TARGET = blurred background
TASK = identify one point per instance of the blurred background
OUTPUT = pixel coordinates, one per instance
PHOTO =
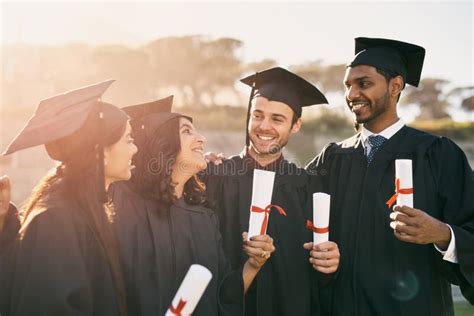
(197, 51)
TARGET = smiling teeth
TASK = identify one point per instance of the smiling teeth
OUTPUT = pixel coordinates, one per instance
(358, 106)
(265, 137)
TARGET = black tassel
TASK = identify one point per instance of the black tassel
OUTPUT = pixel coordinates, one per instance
(247, 137)
(100, 156)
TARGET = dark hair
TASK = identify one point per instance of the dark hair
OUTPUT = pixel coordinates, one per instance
(388, 76)
(153, 162)
(294, 118)
(82, 170)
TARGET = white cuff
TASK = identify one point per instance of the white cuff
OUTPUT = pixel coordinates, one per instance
(450, 254)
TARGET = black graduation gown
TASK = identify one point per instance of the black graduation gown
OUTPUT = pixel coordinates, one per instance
(61, 269)
(158, 247)
(380, 275)
(8, 248)
(283, 285)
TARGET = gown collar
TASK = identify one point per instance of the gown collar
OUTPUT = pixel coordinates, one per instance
(253, 164)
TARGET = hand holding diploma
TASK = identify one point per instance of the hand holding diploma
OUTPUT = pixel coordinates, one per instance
(415, 226)
(324, 257)
(410, 224)
(324, 254)
(258, 248)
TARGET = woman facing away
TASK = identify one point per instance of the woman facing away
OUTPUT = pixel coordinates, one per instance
(164, 222)
(66, 257)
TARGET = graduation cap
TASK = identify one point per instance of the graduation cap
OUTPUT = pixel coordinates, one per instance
(394, 57)
(147, 118)
(139, 111)
(61, 116)
(68, 123)
(166, 117)
(279, 84)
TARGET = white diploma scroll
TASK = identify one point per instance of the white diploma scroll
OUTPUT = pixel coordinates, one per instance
(321, 206)
(403, 188)
(262, 191)
(403, 172)
(190, 291)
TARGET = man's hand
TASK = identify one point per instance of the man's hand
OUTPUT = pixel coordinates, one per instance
(324, 256)
(5, 198)
(214, 158)
(258, 249)
(417, 227)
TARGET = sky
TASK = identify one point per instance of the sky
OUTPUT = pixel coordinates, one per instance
(287, 31)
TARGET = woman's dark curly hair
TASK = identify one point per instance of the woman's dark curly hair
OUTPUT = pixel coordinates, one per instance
(153, 167)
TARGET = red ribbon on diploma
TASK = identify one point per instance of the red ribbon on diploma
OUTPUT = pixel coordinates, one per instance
(177, 311)
(398, 191)
(266, 210)
(317, 230)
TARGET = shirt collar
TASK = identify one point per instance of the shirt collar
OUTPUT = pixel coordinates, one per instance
(387, 133)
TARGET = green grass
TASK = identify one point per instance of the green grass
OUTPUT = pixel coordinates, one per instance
(463, 309)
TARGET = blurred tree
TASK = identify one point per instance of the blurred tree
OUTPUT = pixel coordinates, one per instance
(199, 70)
(220, 67)
(197, 66)
(253, 67)
(466, 97)
(126, 65)
(333, 77)
(328, 78)
(429, 97)
(468, 103)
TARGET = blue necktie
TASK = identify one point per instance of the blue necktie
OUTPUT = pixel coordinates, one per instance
(375, 141)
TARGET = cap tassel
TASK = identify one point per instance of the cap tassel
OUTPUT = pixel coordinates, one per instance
(252, 92)
(100, 158)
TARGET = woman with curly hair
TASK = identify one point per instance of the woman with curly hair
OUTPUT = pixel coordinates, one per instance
(164, 222)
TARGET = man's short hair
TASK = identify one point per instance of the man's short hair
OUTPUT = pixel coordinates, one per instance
(389, 76)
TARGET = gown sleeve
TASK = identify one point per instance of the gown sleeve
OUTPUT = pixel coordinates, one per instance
(231, 283)
(455, 186)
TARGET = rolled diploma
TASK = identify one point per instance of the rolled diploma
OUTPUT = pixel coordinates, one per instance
(403, 171)
(262, 191)
(191, 289)
(321, 206)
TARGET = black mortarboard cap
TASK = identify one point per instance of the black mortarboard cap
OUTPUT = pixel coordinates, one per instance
(279, 84)
(394, 57)
(71, 123)
(147, 118)
(140, 111)
(166, 117)
(62, 115)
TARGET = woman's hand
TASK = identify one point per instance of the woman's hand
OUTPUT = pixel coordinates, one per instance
(259, 249)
